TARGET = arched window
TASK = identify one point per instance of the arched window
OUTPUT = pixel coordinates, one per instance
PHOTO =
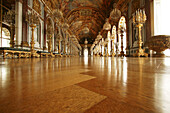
(114, 36)
(85, 52)
(5, 37)
(122, 23)
(109, 42)
(161, 17)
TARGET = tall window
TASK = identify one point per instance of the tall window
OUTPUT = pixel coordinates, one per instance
(122, 23)
(109, 43)
(161, 17)
(5, 37)
(114, 36)
(85, 52)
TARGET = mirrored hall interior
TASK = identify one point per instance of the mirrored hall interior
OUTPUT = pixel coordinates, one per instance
(84, 56)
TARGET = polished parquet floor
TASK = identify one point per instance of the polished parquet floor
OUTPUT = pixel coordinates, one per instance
(85, 85)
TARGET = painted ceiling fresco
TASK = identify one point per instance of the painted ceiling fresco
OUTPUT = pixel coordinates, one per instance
(90, 13)
(68, 5)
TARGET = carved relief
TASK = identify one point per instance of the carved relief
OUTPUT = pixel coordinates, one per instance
(49, 5)
(37, 6)
(159, 43)
(85, 12)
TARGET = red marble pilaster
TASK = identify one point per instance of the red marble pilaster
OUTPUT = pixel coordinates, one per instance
(24, 24)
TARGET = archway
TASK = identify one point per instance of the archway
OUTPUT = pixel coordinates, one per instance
(122, 26)
(114, 37)
(85, 52)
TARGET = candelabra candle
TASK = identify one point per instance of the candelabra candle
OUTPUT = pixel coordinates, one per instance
(139, 19)
(107, 25)
(33, 20)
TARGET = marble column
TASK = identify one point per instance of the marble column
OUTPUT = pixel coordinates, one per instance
(45, 32)
(18, 22)
(24, 25)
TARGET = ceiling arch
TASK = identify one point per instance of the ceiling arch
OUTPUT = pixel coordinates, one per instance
(85, 16)
(85, 13)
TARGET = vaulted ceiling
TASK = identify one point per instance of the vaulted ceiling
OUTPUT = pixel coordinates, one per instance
(88, 13)
(83, 14)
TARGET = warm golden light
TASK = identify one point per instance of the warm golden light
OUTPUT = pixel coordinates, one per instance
(161, 17)
(167, 52)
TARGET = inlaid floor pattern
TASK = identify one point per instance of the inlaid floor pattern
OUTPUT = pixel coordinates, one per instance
(85, 85)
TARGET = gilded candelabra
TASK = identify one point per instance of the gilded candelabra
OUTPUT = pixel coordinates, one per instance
(9, 17)
(99, 37)
(122, 29)
(33, 20)
(139, 19)
(106, 43)
(113, 49)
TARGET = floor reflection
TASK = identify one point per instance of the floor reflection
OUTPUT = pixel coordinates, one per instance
(138, 82)
(86, 60)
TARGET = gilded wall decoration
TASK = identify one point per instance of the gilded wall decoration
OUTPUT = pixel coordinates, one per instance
(37, 6)
(85, 12)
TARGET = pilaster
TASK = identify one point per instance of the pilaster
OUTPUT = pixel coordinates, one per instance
(18, 22)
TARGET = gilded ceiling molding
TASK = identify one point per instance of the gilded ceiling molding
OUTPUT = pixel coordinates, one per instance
(47, 5)
(36, 6)
(91, 8)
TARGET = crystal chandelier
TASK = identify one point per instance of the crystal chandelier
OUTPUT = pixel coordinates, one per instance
(86, 29)
(115, 13)
(99, 36)
(9, 16)
(107, 25)
(85, 42)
